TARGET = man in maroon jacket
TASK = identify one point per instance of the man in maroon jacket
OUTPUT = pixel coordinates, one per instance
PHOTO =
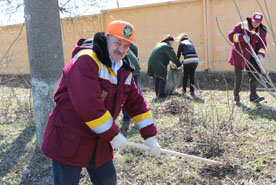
(94, 87)
(252, 32)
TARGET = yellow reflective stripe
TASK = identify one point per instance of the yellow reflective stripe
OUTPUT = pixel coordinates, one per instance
(112, 73)
(141, 117)
(99, 121)
(143, 120)
(102, 128)
(128, 80)
(95, 58)
(104, 71)
(85, 52)
(262, 50)
(90, 53)
(236, 37)
(109, 70)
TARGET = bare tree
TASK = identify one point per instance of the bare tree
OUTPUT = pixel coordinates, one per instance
(45, 44)
(45, 56)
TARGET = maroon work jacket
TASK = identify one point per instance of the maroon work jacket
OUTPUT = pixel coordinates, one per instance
(240, 46)
(85, 96)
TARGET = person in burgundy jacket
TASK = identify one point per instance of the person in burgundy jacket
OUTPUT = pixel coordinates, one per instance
(252, 32)
(94, 87)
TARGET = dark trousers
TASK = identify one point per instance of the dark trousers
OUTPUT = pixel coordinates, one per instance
(136, 80)
(160, 88)
(252, 81)
(70, 175)
(189, 73)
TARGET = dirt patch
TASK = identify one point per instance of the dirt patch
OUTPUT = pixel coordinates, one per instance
(174, 105)
(219, 171)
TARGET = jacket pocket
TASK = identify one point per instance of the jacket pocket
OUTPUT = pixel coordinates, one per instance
(67, 144)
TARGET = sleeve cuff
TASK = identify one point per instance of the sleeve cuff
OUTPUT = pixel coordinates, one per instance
(148, 131)
(110, 133)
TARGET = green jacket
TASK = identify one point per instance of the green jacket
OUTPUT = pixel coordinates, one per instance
(159, 59)
(133, 59)
(134, 49)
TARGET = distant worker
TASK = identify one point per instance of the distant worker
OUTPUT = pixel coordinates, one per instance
(252, 32)
(190, 62)
(159, 59)
(132, 55)
(94, 87)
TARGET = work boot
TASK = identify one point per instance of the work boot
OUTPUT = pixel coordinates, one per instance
(256, 98)
(183, 92)
(237, 99)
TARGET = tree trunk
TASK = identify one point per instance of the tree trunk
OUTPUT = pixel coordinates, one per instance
(45, 56)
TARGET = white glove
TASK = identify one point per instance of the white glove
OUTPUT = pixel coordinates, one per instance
(261, 58)
(172, 65)
(118, 141)
(152, 143)
(246, 38)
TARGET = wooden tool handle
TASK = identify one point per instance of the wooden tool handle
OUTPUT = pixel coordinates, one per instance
(192, 157)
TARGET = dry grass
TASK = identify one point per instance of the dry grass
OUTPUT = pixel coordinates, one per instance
(209, 126)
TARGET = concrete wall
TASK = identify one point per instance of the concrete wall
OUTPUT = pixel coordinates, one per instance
(197, 18)
(13, 50)
(152, 23)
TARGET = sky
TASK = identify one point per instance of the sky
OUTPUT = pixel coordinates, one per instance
(13, 12)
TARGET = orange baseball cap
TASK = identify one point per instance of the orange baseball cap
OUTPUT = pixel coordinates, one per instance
(121, 29)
